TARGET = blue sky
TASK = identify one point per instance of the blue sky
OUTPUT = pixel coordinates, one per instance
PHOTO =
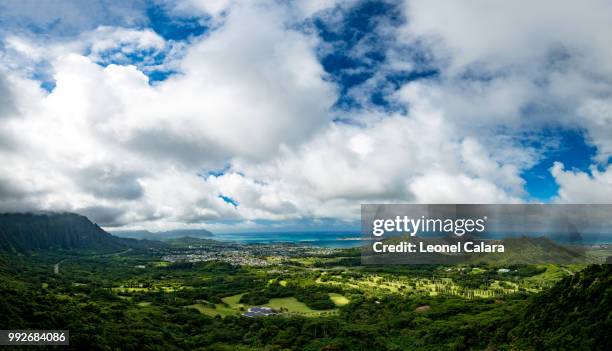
(240, 116)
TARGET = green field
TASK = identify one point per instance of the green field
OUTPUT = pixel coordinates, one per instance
(230, 306)
(321, 306)
(290, 305)
(233, 301)
(124, 289)
(339, 300)
(219, 310)
(293, 306)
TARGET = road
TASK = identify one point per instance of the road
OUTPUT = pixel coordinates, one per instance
(56, 266)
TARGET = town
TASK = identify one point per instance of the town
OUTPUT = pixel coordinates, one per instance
(255, 255)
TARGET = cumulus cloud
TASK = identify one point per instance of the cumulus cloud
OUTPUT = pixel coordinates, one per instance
(414, 158)
(213, 8)
(106, 138)
(550, 60)
(7, 107)
(252, 98)
(499, 34)
(581, 187)
(216, 9)
(69, 17)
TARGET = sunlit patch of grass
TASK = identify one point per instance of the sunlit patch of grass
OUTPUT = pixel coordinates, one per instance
(339, 300)
(124, 289)
(293, 306)
(160, 264)
(233, 301)
(219, 310)
(477, 270)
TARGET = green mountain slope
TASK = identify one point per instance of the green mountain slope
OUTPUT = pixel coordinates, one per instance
(575, 314)
(532, 250)
(519, 250)
(25, 232)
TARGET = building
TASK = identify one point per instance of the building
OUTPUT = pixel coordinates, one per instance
(255, 312)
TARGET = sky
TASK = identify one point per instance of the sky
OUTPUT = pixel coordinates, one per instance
(246, 116)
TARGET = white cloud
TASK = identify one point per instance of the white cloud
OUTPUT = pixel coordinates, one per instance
(415, 158)
(308, 8)
(69, 17)
(213, 8)
(437, 187)
(107, 143)
(127, 40)
(253, 95)
(508, 68)
(502, 34)
(271, 83)
(579, 187)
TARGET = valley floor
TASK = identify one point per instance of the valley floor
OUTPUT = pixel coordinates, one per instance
(322, 300)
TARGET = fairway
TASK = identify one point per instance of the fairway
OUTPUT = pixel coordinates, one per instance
(233, 301)
(232, 306)
(124, 289)
(220, 310)
(339, 300)
(292, 305)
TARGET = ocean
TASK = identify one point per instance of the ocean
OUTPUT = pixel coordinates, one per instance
(318, 239)
(333, 239)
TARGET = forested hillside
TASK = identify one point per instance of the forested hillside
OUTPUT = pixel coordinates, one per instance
(26, 232)
(112, 295)
(575, 314)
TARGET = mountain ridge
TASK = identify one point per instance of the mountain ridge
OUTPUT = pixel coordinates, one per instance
(27, 232)
(573, 313)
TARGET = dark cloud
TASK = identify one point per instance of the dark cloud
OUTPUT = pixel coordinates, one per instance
(9, 190)
(7, 109)
(165, 145)
(109, 183)
(14, 197)
(7, 106)
(103, 215)
(7, 140)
